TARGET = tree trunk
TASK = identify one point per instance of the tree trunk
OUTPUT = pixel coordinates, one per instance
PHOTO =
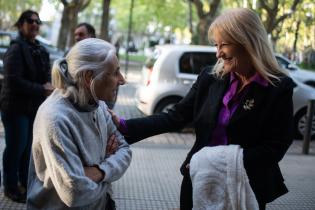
(63, 32)
(205, 19)
(69, 21)
(190, 17)
(273, 20)
(203, 31)
(296, 36)
(105, 20)
(73, 18)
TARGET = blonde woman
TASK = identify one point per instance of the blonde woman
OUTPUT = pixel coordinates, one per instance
(245, 100)
(70, 163)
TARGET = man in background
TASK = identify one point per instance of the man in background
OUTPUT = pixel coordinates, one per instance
(83, 31)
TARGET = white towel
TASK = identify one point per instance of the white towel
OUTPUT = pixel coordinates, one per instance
(220, 181)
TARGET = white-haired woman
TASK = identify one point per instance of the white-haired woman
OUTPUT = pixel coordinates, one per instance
(245, 100)
(70, 165)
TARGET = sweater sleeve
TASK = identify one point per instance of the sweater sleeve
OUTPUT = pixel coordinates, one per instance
(116, 164)
(65, 167)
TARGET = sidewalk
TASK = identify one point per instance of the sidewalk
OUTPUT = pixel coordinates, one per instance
(153, 179)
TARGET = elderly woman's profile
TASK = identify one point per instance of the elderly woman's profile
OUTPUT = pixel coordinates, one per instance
(70, 163)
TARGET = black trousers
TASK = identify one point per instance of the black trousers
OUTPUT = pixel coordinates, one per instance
(186, 202)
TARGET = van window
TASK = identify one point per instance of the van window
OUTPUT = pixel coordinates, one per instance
(194, 62)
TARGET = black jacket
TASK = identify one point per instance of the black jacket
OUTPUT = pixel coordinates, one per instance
(265, 131)
(26, 69)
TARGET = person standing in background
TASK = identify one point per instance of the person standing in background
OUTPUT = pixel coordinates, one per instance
(26, 84)
(83, 31)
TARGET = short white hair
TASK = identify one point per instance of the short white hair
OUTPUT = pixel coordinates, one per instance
(87, 55)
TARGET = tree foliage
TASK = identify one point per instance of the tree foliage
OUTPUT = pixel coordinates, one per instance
(274, 13)
(12, 9)
(153, 17)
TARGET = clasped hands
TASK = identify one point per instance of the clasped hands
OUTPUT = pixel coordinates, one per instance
(93, 172)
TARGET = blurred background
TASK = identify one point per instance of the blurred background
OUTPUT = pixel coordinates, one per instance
(137, 26)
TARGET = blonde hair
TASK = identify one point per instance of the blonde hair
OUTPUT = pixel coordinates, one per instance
(68, 73)
(243, 27)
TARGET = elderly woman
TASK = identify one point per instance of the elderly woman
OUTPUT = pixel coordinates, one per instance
(246, 99)
(70, 165)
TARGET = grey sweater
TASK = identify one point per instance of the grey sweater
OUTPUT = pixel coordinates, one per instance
(64, 141)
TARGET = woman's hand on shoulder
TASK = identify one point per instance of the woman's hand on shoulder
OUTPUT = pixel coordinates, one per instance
(112, 145)
(48, 88)
(115, 118)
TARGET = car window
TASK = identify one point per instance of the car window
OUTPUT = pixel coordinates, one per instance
(284, 64)
(194, 62)
(5, 40)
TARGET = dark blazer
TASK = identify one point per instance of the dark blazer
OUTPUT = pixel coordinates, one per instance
(264, 131)
(26, 69)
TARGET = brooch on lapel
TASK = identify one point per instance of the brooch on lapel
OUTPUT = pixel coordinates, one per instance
(249, 104)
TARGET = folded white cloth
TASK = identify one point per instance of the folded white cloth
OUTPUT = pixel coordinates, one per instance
(220, 181)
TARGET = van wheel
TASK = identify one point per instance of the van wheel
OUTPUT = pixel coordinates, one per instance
(166, 104)
(300, 124)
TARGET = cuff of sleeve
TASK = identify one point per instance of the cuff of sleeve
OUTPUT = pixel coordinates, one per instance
(123, 126)
(106, 170)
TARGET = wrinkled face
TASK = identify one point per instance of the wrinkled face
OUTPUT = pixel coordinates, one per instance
(30, 27)
(81, 33)
(234, 56)
(106, 86)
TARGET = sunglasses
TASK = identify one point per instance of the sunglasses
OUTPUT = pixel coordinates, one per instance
(31, 21)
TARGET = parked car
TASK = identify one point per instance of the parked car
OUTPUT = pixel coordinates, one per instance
(304, 76)
(170, 71)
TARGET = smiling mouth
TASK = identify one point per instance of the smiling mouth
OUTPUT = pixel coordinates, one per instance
(228, 58)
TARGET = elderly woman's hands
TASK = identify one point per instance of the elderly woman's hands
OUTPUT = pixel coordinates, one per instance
(94, 173)
(48, 88)
(112, 145)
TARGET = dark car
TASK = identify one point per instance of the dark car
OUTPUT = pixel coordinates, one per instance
(7, 36)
